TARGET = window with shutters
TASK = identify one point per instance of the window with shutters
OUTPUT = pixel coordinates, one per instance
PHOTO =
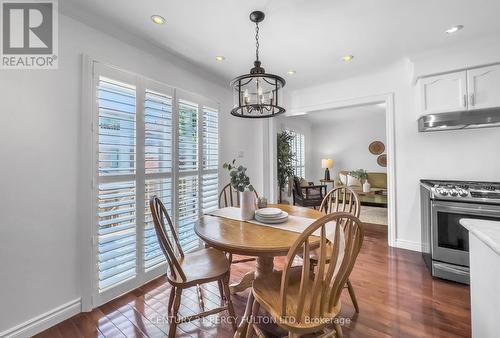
(210, 178)
(298, 148)
(150, 139)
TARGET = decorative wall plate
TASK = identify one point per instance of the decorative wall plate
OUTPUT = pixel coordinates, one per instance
(382, 160)
(376, 147)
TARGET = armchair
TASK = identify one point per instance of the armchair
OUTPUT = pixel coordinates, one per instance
(307, 196)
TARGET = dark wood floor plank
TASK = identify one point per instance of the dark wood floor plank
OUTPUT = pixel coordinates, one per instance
(52, 332)
(396, 294)
(141, 322)
(121, 322)
(86, 326)
(104, 325)
(159, 306)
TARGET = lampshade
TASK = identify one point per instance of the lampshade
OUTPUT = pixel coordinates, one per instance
(326, 163)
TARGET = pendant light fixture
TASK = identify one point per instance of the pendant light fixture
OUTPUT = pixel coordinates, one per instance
(257, 94)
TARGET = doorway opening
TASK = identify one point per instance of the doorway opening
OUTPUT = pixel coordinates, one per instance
(345, 137)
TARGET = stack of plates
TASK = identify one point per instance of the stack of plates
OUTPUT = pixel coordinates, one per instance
(271, 215)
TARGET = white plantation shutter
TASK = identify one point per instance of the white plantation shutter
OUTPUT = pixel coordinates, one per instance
(210, 138)
(210, 192)
(116, 198)
(188, 212)
(158, 133)
(158, 157)
(188, 136)
(188, 198)
(153, 254)
(117, 233)
(210, 144)
(147, 141)
(298, 148)
(116, 102)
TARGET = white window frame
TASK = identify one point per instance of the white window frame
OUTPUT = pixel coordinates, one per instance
(92, 69)
(297, 163)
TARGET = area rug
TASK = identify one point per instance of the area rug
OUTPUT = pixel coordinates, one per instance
(374, 215)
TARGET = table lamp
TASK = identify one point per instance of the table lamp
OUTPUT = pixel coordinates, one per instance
(326, 164)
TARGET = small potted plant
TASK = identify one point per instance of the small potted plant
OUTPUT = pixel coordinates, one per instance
(362, 176)
(241, 183)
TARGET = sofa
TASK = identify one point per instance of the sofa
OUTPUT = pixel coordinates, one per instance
(378, 185)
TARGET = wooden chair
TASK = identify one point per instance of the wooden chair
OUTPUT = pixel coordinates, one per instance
(298, 300)
(341, 199)
(309, 196)
(229, 197)
(188, 270)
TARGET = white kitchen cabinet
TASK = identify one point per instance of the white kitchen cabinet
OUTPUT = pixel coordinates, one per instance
(443, 93)
(483, 86)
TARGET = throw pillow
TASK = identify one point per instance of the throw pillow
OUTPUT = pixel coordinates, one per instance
(353, 182)
(343, 179)
(349, 181)
(304, 183)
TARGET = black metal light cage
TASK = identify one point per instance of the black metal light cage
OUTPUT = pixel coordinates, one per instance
(256, 95)
(247, 102)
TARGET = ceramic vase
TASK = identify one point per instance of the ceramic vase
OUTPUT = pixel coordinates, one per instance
(366, 186)
(247, 205)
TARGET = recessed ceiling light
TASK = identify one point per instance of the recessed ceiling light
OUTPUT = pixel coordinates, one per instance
(220, 58)
(291, 72)
(454, 29)
(158, 19)
(348, 58)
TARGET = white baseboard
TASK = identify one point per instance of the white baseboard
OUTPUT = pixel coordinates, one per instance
(408, 245)
(43, 321)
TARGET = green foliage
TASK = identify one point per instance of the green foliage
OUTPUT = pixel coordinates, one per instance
(360, 174)
(239, 179)
(285, 158)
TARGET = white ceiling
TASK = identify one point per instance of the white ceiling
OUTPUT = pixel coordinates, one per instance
(308, 36)
(329, 116)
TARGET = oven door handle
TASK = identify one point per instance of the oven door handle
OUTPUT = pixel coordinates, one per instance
(468, 210)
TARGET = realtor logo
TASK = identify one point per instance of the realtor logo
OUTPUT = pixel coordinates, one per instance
(29, 34)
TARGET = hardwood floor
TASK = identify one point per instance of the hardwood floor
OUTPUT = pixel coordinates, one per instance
(396, 295)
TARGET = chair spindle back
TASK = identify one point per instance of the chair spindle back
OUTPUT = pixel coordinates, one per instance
(159, 214)
(230, 197)
(320, 295)
(341, 199)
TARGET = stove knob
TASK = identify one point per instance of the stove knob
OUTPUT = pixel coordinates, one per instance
(453, 192)
(443, 192)
(463, 193)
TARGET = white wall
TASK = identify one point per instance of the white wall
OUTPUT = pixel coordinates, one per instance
(346, 141)
(39, 147)
(462, 155)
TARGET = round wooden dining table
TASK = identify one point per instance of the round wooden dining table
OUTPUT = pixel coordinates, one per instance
(249, 239)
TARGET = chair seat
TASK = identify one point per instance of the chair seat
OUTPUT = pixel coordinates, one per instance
(202, 266)
(314, 254)
(314, 193)
(267, 292)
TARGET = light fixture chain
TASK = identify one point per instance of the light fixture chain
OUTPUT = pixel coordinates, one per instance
(257, 41)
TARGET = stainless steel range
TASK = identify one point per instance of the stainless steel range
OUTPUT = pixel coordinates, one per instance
(445, 243)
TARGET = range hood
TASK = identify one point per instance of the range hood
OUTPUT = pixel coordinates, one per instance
(469, 119)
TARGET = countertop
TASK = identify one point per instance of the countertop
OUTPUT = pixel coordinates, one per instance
(487, 231)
